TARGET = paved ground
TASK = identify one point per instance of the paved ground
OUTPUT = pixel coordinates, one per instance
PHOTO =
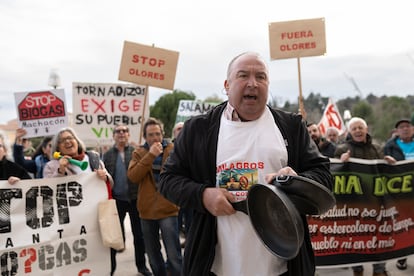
(391, 268)
(126, 264)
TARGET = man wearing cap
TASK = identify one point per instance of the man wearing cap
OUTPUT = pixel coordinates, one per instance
(401, 147)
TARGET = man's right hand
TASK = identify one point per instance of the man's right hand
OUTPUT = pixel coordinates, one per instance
(217, 201)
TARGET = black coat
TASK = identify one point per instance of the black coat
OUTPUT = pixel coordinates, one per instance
(393, 149)
(9, 168)
(192, 167)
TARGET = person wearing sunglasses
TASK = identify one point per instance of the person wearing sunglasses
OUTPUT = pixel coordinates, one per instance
(116, 160)
(68, 144)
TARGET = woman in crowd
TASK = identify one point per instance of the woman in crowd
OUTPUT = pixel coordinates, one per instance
(39, 158)
(9, 170)
(69, 146)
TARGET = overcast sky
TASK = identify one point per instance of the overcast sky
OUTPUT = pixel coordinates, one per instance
(368, 41)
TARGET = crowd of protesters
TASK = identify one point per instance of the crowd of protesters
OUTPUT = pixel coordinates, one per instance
(126, 165)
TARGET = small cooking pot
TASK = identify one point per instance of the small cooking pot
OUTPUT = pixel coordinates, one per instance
(273, 210)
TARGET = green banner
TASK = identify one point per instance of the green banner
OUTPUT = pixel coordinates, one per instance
(373, 217)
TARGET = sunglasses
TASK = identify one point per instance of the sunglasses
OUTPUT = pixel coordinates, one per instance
(121, 131)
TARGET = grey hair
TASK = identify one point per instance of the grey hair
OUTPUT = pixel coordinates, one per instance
(55, 141)
(333, 129)
(357, 120)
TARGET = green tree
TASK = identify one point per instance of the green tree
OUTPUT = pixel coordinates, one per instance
(380, 113)
(214, 99)
(165, 109)
(387, 111)
(362, 109)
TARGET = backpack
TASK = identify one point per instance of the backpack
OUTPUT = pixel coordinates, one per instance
(94, 160)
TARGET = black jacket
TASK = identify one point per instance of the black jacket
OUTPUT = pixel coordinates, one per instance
(109, 159)
(9, 168)
(367, 150)
(192, 167)
(18, 156)
(391, 148)
(327, 148)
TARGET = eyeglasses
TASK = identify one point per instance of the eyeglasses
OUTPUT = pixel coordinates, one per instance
(121, 130)
(66, 139)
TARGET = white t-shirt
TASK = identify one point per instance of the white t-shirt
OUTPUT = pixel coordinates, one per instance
(246, 152)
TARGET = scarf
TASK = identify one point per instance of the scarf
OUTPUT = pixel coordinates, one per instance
(79, 156)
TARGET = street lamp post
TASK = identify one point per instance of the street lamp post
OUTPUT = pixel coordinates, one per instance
(54, 79)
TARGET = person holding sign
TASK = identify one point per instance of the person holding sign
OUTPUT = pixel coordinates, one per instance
(39, 158)
(9, 170)
(241, 137)
(359, 144)
(401, 147)
(69, 156)
(157, 213)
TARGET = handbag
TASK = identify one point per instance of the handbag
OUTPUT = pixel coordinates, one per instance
(111, 231)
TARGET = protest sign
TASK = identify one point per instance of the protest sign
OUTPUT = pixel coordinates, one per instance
(41, 113)
(373, 219)
(149, 66)
(50, 226)
(98, 107)
(297, 38)
(189, 108)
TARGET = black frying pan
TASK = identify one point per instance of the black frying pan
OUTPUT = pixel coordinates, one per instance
(308, 196)
(274, 211)
(274, 219)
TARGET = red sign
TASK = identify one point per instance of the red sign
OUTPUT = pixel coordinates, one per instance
(40, 105)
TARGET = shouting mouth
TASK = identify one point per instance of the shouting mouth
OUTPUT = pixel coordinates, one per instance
(250, 97)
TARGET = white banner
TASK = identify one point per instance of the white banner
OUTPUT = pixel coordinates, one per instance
(50, 227)
(98, 107)
(189, 108)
